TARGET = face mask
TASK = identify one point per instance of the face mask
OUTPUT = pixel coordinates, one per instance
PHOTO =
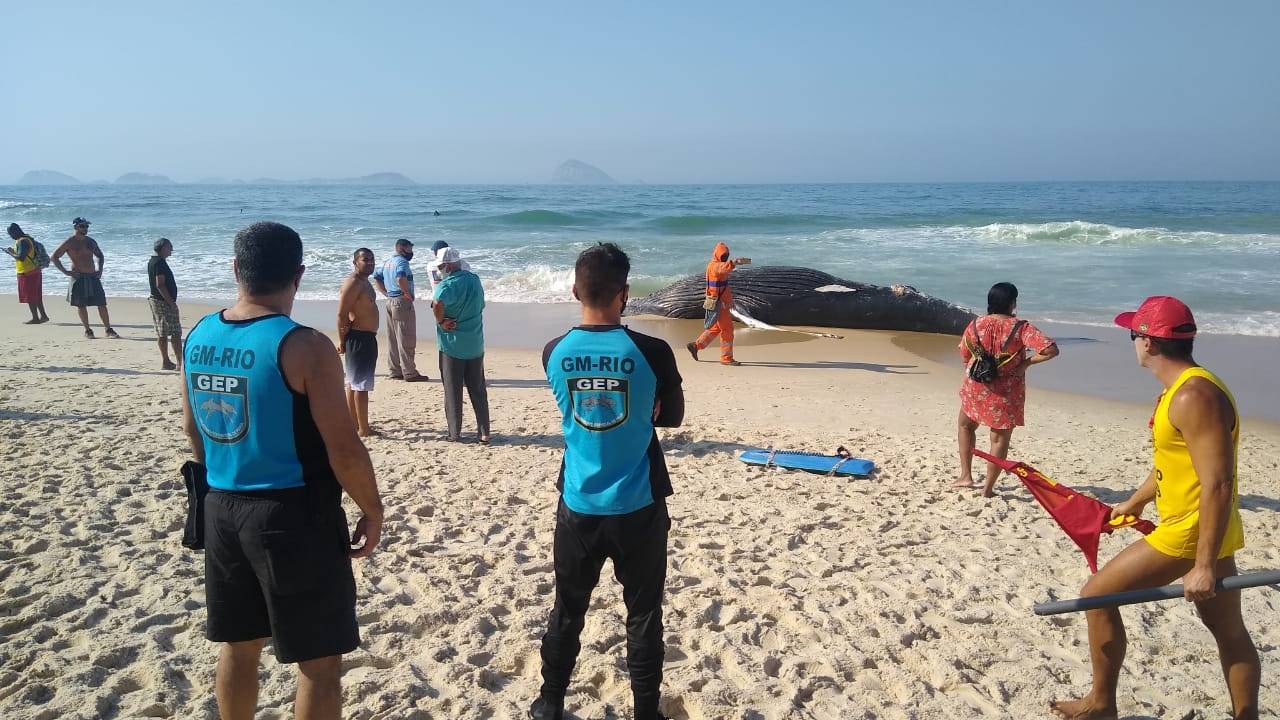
(408, 255)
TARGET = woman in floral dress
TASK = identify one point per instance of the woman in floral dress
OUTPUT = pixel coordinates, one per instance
(998, 405)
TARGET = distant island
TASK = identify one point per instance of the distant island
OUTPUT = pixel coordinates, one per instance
(576, 172)
(137, 178)
(47, 177)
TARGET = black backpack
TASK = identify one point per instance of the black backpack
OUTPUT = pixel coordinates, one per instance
(985, 367)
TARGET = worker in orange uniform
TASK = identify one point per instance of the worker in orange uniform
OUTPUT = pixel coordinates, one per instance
(718, 306)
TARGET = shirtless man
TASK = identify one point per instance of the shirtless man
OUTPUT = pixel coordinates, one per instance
(358, 336)
(1196, 436)
(86, 276)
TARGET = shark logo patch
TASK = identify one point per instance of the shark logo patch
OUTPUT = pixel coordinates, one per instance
(220, 404)
(599, 403)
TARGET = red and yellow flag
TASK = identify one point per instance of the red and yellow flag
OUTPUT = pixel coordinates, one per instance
(1083, 518)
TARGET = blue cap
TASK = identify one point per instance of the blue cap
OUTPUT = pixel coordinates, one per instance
(435, 246)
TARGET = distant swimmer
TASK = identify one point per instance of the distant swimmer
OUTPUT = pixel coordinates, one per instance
(718, 306)
(437, 213)
(1195, 432)
(86, 276)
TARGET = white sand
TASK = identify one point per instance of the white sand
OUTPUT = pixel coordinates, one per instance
(789, 595)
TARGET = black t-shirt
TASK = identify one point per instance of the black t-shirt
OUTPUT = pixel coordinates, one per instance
(159, 266)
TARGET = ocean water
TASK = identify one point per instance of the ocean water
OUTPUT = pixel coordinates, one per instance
(1078, 252)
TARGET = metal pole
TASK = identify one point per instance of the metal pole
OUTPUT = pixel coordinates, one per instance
(1168, 592)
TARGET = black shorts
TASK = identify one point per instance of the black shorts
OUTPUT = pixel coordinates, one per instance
(275, 568)
(360, 359)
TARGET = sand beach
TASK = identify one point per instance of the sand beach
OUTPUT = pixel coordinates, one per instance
(790, 595)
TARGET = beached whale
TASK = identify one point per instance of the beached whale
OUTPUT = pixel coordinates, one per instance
(781, 295)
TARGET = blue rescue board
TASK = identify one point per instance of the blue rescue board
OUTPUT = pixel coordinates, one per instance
(812, 462)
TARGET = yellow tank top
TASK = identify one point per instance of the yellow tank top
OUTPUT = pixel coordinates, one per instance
(1178, 486)
(26, 263)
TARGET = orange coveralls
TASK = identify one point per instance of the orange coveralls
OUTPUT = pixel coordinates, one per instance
(718, 287)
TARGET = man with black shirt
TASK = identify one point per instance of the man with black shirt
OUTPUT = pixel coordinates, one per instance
(164, 303)
(613, 387)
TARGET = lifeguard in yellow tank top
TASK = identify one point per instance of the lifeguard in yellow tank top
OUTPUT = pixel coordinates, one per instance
(1178, 486)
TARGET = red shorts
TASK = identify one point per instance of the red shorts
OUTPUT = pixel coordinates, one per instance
(30, 286)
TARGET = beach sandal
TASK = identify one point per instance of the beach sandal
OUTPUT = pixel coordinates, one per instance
(483, 440)
(731, 363)
(111, 333)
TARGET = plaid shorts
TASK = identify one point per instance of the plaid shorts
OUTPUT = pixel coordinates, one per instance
(165, 317)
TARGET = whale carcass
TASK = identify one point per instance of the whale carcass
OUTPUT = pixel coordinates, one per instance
(781, 295)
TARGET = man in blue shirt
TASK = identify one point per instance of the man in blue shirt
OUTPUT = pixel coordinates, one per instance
(264, 411)
(458, 304)
(613, 387)
(395, 281)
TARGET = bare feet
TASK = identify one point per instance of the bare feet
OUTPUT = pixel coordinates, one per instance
(111, 333)
(32, 321)
(370, 433)
(963, 482)
(88, 332)
(168, 365)
(1082, 709)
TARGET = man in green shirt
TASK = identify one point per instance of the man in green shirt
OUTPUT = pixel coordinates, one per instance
(458, 304)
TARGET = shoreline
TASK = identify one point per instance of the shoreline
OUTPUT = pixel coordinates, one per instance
(1096, 363)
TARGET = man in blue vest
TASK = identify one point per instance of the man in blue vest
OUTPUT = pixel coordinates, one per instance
(613, 387)
(264, 410)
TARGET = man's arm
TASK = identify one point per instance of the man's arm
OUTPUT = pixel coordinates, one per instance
(346, 302)
(311, 367)
(668, 410)
(163, 288)
(97, 253)
(189, 423)
(1205, 417)
(402, 282)
(56, 257)
(1137, 502)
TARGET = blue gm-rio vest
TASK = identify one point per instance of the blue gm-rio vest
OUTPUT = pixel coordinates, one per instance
(258, 433)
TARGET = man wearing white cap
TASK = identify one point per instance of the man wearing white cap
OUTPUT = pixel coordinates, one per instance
(458, 304)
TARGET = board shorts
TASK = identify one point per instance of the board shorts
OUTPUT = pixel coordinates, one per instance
(360, 359)
(276, 567)
(30, 286)
(165, 317)
(86, 291)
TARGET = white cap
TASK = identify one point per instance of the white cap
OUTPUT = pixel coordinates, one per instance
(446, 255)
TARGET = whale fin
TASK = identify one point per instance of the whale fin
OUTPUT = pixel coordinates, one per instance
(761, 325)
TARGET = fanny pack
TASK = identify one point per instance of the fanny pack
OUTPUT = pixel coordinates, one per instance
(985, 367)
(195, 477)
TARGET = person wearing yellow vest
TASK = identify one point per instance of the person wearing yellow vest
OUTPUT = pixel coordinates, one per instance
(30, 279)
(1196, 434)
(718, 306)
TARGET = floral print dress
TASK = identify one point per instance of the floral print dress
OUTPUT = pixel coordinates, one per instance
(999, 405)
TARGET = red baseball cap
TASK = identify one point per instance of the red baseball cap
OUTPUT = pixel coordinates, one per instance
(1160, 316)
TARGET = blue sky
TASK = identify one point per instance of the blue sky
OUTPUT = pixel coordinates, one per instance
(658, 92)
